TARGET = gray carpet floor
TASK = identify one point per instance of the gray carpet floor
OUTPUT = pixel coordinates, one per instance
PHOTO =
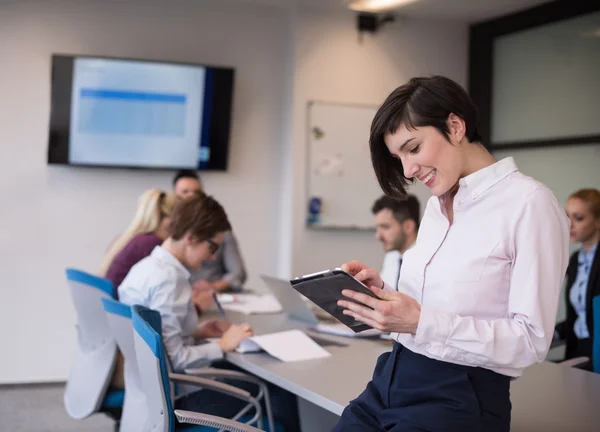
(40, 408)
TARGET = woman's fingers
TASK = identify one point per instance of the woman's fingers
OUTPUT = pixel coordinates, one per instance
(366, 274)
(353, 267)
(368, 321)
(358, 308)
(386, 295)
(361, 298)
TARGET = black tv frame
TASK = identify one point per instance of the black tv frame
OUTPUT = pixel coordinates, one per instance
(60, 113)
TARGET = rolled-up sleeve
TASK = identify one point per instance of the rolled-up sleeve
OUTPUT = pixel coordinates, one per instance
(182, 355)
(540, 247)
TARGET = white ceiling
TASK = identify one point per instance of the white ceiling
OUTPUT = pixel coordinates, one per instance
(460, 10)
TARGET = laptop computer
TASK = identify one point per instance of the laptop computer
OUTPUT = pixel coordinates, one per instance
(291, 302)
(295, 307)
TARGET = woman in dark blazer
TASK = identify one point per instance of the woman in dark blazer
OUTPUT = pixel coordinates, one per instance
(583, 274)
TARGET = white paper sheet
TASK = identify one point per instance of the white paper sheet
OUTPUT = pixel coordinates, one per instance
(287, 346)
(251, 303)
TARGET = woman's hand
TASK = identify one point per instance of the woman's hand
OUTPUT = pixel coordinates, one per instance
(391, 312)
(367, 275)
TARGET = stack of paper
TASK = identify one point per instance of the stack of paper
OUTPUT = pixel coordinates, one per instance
(340, 329)
(287, 346)
(251, 303)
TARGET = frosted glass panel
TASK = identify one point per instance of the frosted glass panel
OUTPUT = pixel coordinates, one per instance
(546, 82)
(564, 170)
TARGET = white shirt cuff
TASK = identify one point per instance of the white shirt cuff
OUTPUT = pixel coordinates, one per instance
(434, 327)
(213, 351)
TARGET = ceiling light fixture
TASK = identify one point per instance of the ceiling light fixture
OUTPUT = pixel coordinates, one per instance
(376, 6)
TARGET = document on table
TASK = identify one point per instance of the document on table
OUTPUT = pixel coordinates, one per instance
(250, 303)
(287, 346)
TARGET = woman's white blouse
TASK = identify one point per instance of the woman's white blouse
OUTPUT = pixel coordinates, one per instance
(489, 284)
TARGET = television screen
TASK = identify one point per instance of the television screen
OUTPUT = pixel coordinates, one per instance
(134, 113)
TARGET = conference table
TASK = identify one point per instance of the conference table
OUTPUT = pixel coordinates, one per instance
(548, 397)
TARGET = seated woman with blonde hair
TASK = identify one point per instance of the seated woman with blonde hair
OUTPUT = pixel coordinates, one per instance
(147, 230)
(583, 276)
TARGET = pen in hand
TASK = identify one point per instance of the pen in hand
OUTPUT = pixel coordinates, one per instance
(221, 311)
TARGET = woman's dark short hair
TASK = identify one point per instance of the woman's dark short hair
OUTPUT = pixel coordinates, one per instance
(200, 215)
(423, 101)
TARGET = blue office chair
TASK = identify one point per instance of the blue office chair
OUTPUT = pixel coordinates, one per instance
(577, 361)
(134, 413)
(87, 391)
(152, 365)
(596, 342)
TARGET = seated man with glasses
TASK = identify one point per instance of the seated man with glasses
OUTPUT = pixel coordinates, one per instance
(161, 282)
(397, 228)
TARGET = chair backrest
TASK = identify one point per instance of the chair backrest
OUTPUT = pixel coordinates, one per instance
(596, 341)
(152, 365)
(96, 349)
(135, 411)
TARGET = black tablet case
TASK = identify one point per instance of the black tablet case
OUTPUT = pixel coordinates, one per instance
(325, 290)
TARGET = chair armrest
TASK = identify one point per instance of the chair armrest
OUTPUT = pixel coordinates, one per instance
(222, 388)
(215, 373)
(209, 372)
(213, 385)
(575, 361)
(213, 421)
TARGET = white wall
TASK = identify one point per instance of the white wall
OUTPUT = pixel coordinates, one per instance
(54, 217)
(332, 66)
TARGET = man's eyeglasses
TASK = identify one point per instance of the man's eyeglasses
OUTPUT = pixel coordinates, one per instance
(213, 246)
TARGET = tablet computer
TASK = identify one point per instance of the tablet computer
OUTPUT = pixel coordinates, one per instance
(325, 289)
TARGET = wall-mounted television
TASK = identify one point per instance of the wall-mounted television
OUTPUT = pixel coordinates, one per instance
(130, 113)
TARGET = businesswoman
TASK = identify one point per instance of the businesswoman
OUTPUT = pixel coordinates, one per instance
(583, 274)
(478, 293)
(148, 229)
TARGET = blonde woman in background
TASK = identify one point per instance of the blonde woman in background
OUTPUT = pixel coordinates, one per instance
(147, 230)
(583, 275)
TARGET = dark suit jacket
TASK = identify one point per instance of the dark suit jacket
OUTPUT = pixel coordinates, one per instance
(565, 328)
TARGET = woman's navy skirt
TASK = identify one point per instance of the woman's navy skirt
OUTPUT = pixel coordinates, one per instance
(411, 392)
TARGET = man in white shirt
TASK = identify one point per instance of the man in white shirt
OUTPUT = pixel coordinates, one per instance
(397, 227)
(161, 282)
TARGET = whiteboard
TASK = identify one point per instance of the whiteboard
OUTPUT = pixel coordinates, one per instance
(340, 174)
